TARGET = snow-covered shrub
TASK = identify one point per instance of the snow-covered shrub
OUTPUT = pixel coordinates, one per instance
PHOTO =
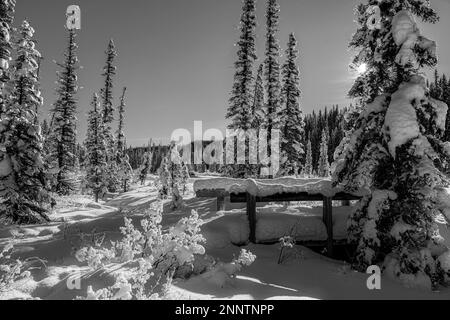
(286, 243)
(12, 270)
(223, 274)
(151, 255)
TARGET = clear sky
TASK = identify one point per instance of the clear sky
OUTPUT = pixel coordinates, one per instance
(176, 56)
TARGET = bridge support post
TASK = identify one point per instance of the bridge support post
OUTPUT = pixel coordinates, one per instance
(251, 213)
(220, 203)
(328, 221)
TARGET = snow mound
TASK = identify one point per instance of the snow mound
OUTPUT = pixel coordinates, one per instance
(407, 36)
(273, 226)
(401, 122)
(444, 261)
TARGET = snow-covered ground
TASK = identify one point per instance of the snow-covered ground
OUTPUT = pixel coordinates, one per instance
(306, 275)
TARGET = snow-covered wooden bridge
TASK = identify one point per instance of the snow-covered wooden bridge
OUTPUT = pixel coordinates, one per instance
(276, 190)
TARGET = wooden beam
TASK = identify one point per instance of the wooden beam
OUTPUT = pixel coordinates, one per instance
(211, 193)
(251, 213)
(328, 220)
(288, 197)
(345, 196)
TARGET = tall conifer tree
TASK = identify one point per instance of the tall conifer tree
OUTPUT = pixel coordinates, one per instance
(7, 9)
(292, 125)
(23, 183)
(257, 111)
(395, 152)
(64, 121)
(272, 73)
(241, 101)
(96, 149)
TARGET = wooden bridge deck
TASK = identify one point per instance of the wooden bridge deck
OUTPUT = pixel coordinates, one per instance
(252, 200)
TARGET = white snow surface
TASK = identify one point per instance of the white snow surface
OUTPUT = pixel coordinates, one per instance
(310, 276)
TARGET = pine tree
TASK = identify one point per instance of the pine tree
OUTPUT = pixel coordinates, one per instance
(308, 169)
(120, 134)
(257, 111)
(109, 71)
(125, 172)
(95, 143)
(241, 96)
(241, 103)
(164, 178)
(324, 164)
(272, 72)
(376, 47)
(176, 176)
(292, 149)
(122, 159)
(64, 121)
(185, 176)
(7, 8)
(395, 152)
(146, 166)
(23, 185)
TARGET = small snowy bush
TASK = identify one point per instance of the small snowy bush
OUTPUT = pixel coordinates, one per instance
(223, 274)
(12, 270)
(286, 243)
(150, 254)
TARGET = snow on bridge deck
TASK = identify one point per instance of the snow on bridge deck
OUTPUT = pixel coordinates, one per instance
(270, 187)
(275, 190)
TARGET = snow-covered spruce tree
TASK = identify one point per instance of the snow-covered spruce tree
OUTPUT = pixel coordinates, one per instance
(62, 139)
(308, 168)
(95, 143)
(7, 8)
(185, 176)
(120, 135)
(272, 72)
(125, 172)
(395, 150)
(109, 71)
(291, 118)
(324, 164)
(257, 110)
(146, 166)
(241, 99)
(164, 178)
(122, 159)
(23, 186)
(176, 175)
